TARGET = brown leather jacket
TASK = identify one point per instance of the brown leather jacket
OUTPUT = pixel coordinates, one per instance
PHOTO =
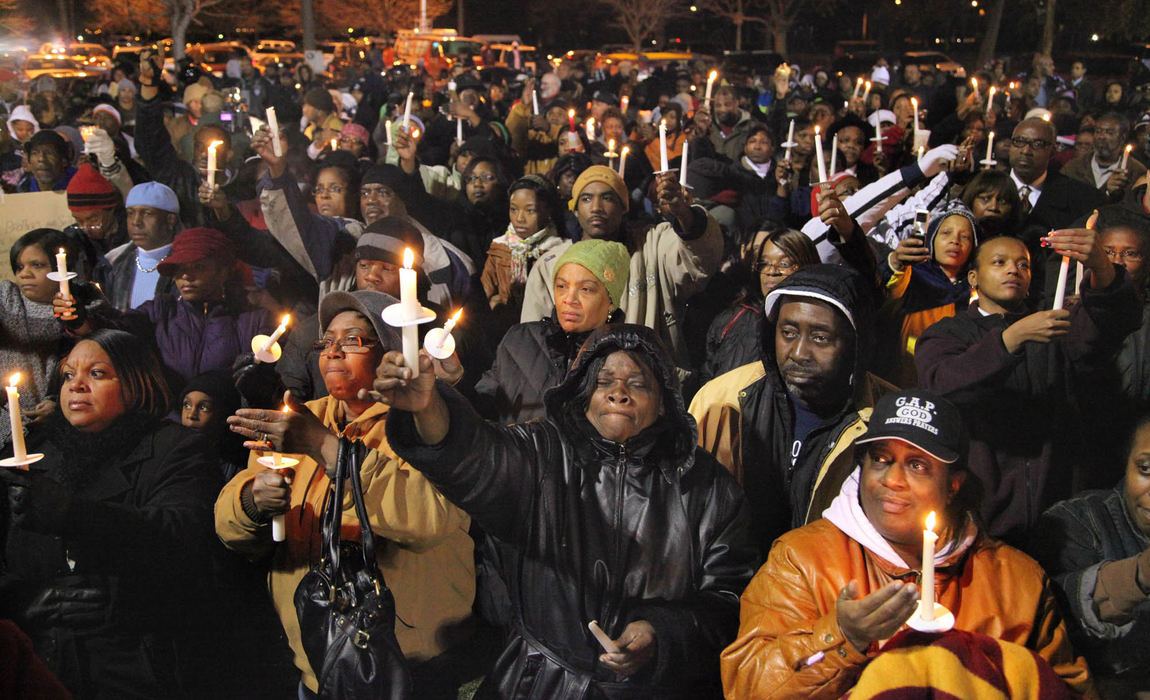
(788, 613)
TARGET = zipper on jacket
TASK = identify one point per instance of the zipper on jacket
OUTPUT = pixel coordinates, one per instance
(617, 554)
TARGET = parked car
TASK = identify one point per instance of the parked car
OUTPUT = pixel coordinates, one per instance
(931, 61)
(57, 66)
(216, 55)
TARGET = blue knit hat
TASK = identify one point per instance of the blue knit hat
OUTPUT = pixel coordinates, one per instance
(155, 195)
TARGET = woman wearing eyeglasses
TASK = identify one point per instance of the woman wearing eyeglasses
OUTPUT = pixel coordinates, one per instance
(426, 557)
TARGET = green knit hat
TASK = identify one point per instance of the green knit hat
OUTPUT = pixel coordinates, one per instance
(609, 261)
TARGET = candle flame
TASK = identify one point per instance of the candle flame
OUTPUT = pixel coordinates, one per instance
(457, 315)
(61, 251)
(974, 83)
(714, 74)
(860, 80)
(816, 129)
(408, 258)
(611, 145)
(14, 379)
(1092, 221)
(930, 521)
(571, 113)
(334, 144)
(626, 150)
(914, 101)
(868, 85)
(415, 133)
(285, 320)
(1128, 149)
(214, 145)
(662, 123)
(286, 408)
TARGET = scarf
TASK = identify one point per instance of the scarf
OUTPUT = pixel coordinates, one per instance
(88, 453)
(524, 250)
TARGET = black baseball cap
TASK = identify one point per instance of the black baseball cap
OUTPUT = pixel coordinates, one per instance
(919, 418)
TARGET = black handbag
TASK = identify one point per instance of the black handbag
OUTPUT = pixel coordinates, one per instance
(346, 611)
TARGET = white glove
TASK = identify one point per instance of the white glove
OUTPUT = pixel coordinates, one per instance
(932, 160)
(100, 143)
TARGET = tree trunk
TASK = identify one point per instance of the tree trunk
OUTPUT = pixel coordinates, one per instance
(307, 19)
(180, 21)
(989, 45)
(779, 32)
(459, 17)
(65, 23)
(1048, 29)
(738, 35)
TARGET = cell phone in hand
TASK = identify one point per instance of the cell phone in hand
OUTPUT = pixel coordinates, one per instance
(921, 221)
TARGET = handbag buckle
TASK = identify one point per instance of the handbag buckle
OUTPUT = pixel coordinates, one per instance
(361, 639)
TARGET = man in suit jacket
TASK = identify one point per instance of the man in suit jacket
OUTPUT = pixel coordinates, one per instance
(1081, 85)
(1049, 200)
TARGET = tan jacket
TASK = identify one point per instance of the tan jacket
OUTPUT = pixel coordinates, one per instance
(666, 269)
(1079, 168)
(788, 613)
(426, 554)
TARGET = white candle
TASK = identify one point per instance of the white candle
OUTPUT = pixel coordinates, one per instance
(387, 128)
(790, 138)
(212, 162)
(1126, 157)
(710, 84)
(834, 154)
(1060, 290)
(878, 134)
(819, 155)
(1078, 270)
(623, 160)
(990, 100)
(683, 165)
(62, 270)
(335, 145)
(274, 127)
(534, 102)
(18, 450)
(590, 128)
(407, 111)
(409, 298)
(271, 341)
(866, 94)
(459, 131)
(928, 541)
(858, 88)
(989, 148)
(914, 104)
(663, 166)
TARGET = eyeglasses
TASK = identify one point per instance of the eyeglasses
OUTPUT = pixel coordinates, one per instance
(782, 267)
(350, 345)
(1124, 255)
(481, 179)
(1035, 144)
(333, 189)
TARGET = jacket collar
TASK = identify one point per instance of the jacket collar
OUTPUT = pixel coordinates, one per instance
(333, 417)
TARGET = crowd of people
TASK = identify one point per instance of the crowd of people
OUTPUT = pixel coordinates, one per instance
(718, 360)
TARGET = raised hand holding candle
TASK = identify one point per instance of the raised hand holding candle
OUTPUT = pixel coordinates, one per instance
(1126, 157)
(274, 127)
(407, 111)
(683, 165)
(819, 155)
(623, 160)
(990, 100)
(710, 84)
(277, 461)
(929, 539)
(834, 153)
(19, 452)
(62, 272)
(212, 162)
(663, 165)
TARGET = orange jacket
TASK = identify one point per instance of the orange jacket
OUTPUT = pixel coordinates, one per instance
(787, 613)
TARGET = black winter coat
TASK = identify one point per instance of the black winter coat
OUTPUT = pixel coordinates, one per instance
(653, 529)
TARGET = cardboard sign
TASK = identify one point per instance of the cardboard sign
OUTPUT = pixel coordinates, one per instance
(21, 213)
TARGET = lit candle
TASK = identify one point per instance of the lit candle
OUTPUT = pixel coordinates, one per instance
(790, 138)
(974, 84)
(274, 127)
(928, 541)
(1060, 290)
(914, 104)
(819, 155)
(19, 452)
(212, 162)
(534, 103)
(624, 102)
(415, 134)
(335, 144)
(858, 88)
(62, 271)
(439, 342)
(663, 166)
(409, 300)
(590, 128)
(866, 94)
(571, 118)
(1126, 157)
(683, 165)
(989, 149)
(387, 128)
(834, 153)
(611, 148)
(275, 336)
(623, 160)
(459, 131)
(990, 100)
(407, 111)
(710, 84)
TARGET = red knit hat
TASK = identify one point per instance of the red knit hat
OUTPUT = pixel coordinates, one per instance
(195, 244)
(90, 190)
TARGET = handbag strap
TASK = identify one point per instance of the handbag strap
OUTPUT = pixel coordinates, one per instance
(367, 537)
(333, 512)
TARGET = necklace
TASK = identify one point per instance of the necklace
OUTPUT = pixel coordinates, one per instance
(145, 270)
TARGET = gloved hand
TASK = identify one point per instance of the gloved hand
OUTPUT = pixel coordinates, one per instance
(101, 144)
(79, 609)
(932, 160)
(258, 383)
(36, 502)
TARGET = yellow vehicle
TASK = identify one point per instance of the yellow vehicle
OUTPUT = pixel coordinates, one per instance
(437, 49)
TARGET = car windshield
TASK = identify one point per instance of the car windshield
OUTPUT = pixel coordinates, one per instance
(461, 48)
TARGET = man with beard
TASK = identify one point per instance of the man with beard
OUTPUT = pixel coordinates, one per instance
(1102, 170)
(48, 157)
(785, 425)
(724, 122)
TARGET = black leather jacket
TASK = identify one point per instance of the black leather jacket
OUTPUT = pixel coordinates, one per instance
(587, 529)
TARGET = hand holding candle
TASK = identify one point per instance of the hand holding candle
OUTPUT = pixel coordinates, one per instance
(278, 462)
